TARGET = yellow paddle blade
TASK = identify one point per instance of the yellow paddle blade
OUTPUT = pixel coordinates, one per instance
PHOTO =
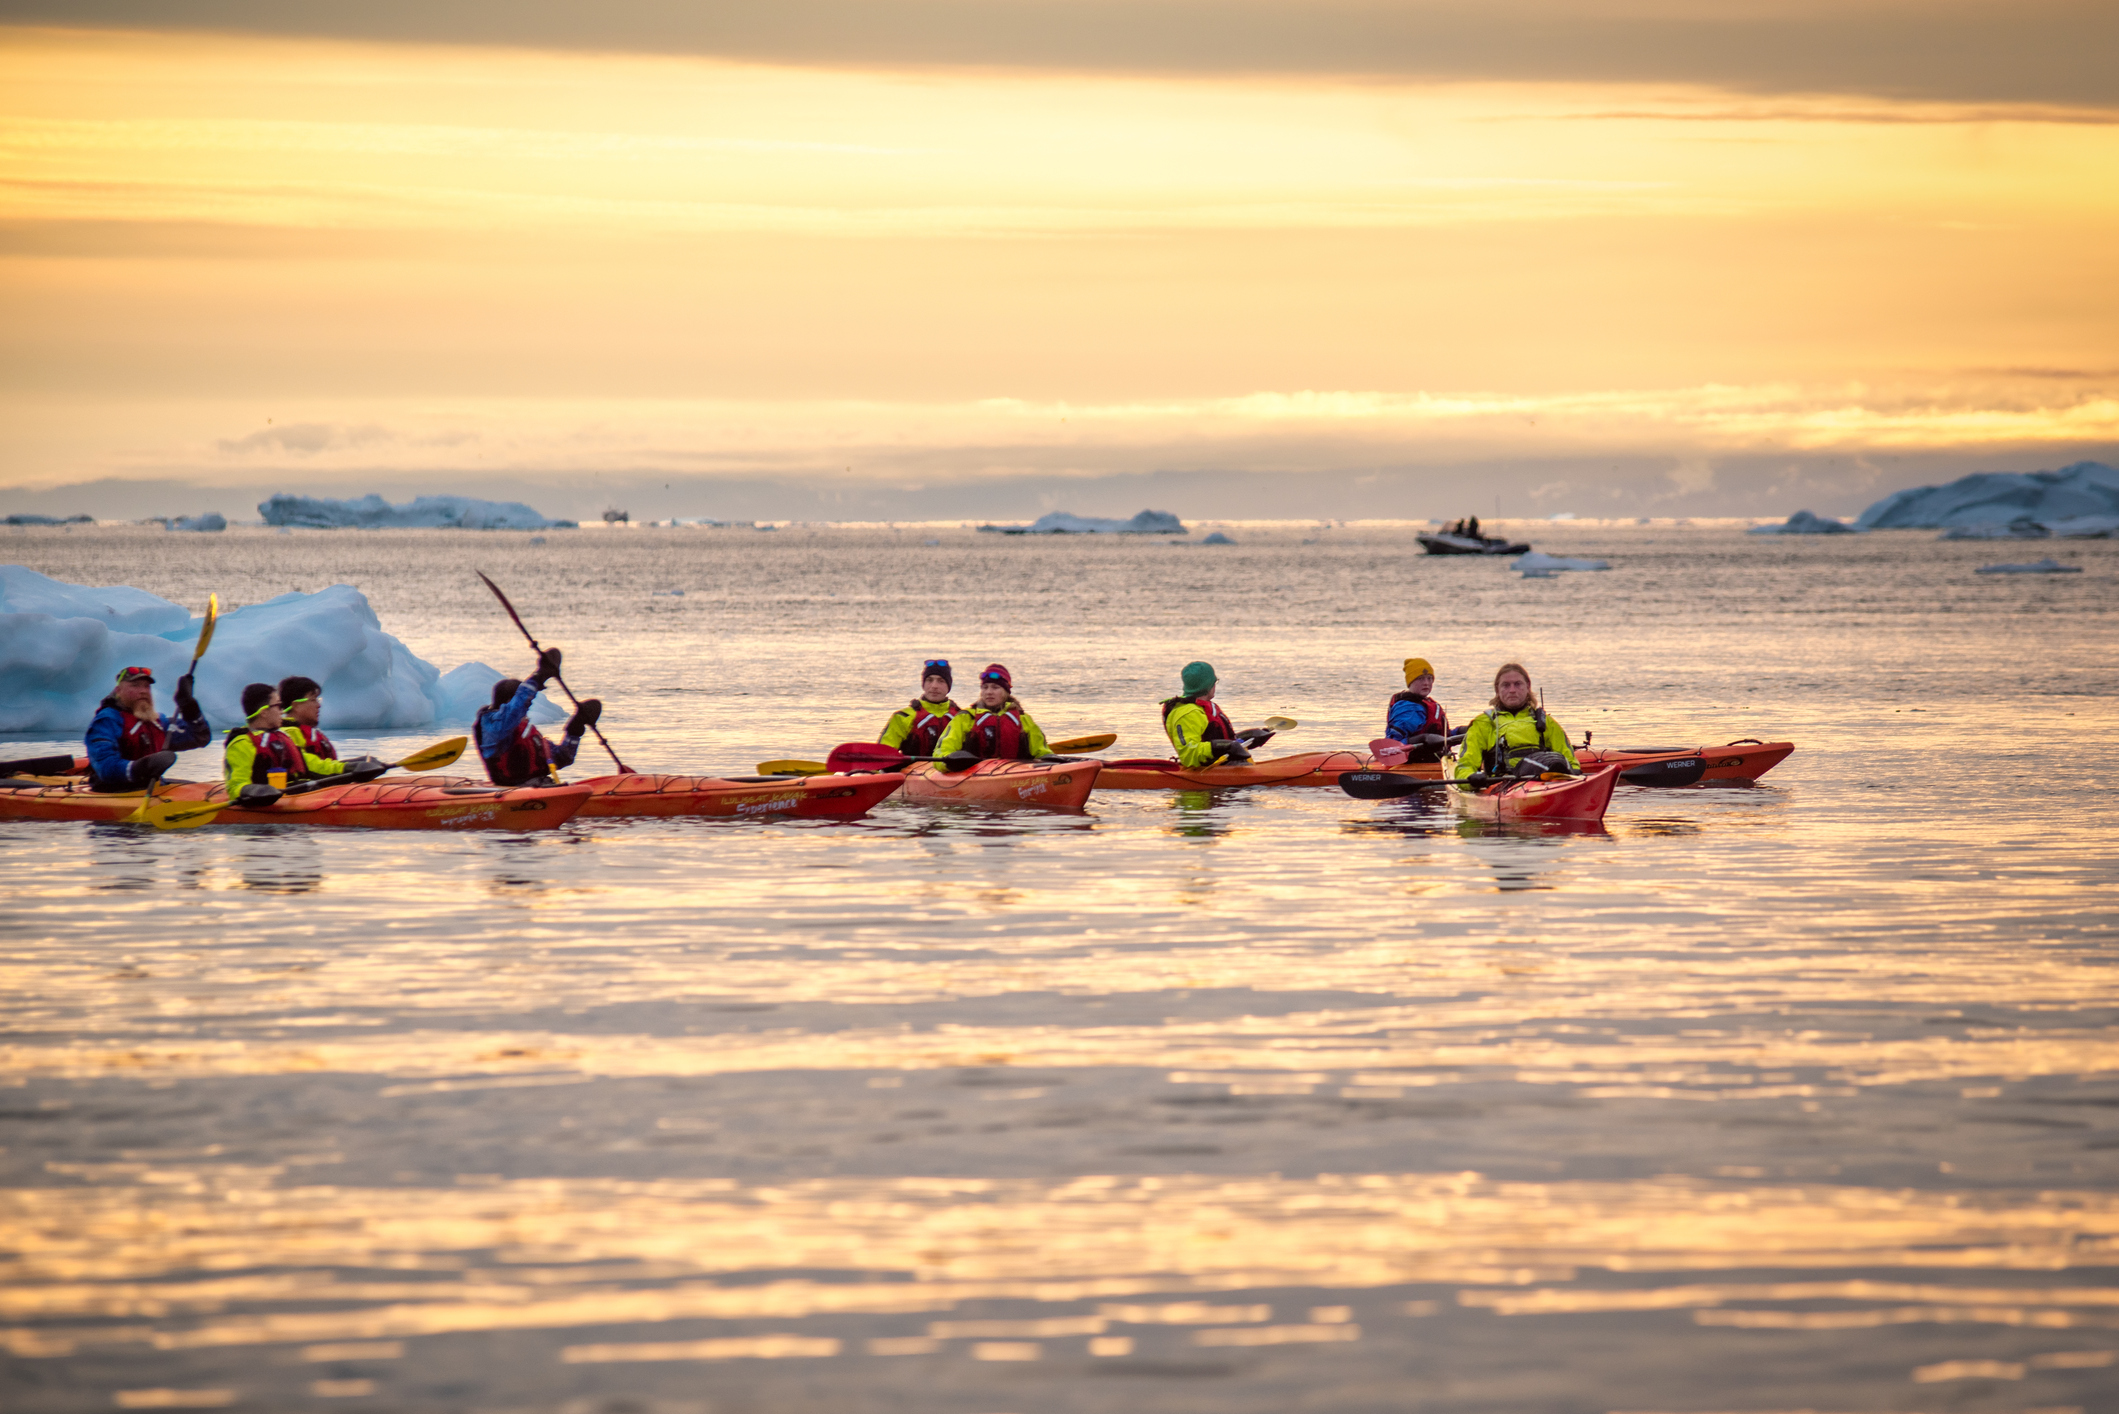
(1281, 724)
(428, 758)
(1083, 743)
(213, 614)
(793, 768)
(166, 814)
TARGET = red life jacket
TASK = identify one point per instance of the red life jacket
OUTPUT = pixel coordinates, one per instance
(313, 741)
(274, 753)
(927, 727)
(143, 736)
(1219, 728)
(997, 733)
(525, 759)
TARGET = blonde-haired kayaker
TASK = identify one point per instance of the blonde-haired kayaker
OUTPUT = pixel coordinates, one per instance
(1513, 736)
(1415, 718)
(995, 727)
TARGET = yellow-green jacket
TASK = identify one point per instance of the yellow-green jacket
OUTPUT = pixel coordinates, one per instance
(241, 760)
(1519, 730)
(930, 718)
(1189, 728)
(1012, 721)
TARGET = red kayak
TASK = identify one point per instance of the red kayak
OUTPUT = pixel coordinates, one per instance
(1742, 761)
(1576, 799)
(754, 797)
(1313, 768)
(1005, 785)
(406, 803)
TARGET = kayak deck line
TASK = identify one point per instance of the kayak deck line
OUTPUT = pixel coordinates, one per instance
(1005, 785)
(445, 803)
(831, 796)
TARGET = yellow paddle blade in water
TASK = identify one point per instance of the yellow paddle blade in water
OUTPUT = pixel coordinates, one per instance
(166, 814)
(793, 768)
(1084, 743)
(442, 753)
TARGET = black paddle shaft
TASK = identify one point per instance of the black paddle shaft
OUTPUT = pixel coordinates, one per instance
(623, 769)
(1684, 772)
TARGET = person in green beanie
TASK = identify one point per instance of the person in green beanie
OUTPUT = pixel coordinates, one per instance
(1201, 731)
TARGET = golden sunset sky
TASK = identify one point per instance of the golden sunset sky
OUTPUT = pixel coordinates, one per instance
(866, 260)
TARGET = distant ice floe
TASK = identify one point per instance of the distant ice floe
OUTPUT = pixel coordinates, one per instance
(1217, 538)
(1539, 565)
(2007, 504)
(2044, 566)
(1061, 523)
(31, 518)
(61, 646)
(210, 521)
(425, 512)
(1805, 523)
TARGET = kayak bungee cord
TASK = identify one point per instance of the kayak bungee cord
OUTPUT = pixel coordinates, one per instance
(623, 769)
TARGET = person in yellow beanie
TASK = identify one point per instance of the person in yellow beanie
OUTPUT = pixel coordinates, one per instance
(1414, 717)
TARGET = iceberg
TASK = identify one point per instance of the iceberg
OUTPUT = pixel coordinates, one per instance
(1217, 538)
(31, 518)
(1804, 523)
(1539, 565)
(1061, 523)
(1999, 498)
(2044, 566)
(61, 646)
(463, 690)
(212, 520)
(372, 512)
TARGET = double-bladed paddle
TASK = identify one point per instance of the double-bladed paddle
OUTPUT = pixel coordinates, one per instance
(38, 766)
(1683, 772)
(873, 755)
(534, 648)
(165, 814)
(427, 758)
(1390, 785)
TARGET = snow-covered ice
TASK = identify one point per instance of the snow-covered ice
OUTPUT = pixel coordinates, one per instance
(372, 512)
(1061, 523)
(1539, 565)
(1805, 523)
(1998, 498)
(2044, 566)
(61, 646)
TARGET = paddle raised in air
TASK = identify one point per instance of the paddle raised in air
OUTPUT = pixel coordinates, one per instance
(538, 649)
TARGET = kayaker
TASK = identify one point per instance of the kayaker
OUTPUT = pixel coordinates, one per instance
(258, 750)
(302, 703)
(1415, 718)
(1513, 736)
(1201, 731)
(916, 727)
(995, 726)
(128, 745)
(516, 753)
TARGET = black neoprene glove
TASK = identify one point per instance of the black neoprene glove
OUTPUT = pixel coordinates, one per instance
(362, 768)
(187, 705)
(547, 667)
(960, 761)
(585, 716)
(1234, 750)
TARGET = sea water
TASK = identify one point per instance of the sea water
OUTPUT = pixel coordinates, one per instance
(1797, 1096)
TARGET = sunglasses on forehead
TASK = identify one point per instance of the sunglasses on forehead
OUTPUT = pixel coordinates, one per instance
(936, 665)
(993, 677)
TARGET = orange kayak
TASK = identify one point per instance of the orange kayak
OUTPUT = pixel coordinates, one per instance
(1313, 768)
(1005, 785)
(758, 797)
(1738, 761)
(1571, 798)
(406, 803)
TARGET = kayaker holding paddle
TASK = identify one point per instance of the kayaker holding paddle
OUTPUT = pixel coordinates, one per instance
(916, 728)
(995, 727)
(1202, 733)
(128, 745)
(1514, 736)
(515, 752)
(258, 750)
(1415, 718)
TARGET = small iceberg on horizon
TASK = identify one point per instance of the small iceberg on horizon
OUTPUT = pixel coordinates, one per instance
(2000, 499)
(1539, 565)
(1806, 523)
(1217, 538)
(210, 521)
(2048, 565)
(372, 512)
(32, 518)
(1063, 523)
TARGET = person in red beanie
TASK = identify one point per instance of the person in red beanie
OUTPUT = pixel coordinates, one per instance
(995, 727)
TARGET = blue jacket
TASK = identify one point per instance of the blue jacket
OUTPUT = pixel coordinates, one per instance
(1408, 718)
(497, 728)
(108, 766)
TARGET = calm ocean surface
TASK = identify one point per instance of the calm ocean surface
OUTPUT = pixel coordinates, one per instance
(1796, 1097)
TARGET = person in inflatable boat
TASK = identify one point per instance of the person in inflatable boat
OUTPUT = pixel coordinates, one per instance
(1200, 730)
(1415, 718)
(916, 728)
(995, 727)
(129, 746)
(516, 753)
(1513, 736)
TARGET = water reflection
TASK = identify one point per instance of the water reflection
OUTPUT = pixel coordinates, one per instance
(278, 859)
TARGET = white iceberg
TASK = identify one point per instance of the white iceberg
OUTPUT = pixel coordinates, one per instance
(31, 518)
(1998, 498)
(1217, 538)
(463, 690)
(1061, 523)
(61, 646)
(1804, 523)
(1539, 565)
(211, 520)
(372, 512)
(2045, 566)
